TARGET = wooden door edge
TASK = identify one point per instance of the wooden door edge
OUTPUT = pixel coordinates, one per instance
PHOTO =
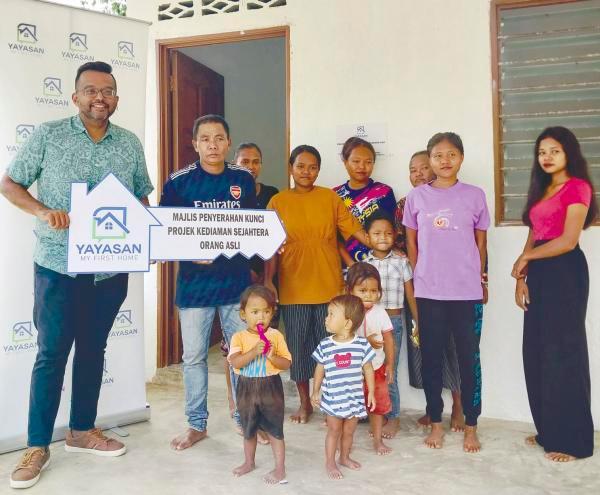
(166, 310)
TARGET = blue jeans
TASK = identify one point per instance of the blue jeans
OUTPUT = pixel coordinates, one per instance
(70, 310)
(196, 324)
(393, 389)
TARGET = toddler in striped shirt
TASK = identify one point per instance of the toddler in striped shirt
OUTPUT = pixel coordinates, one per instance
(342, 358)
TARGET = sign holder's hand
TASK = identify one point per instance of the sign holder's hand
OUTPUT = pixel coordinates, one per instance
(56, 219)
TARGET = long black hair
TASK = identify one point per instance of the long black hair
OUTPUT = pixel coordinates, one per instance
(576, 167)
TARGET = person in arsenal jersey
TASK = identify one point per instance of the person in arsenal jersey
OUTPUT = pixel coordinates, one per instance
(205, 288)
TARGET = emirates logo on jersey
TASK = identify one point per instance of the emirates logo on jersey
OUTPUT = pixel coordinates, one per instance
(236, 191)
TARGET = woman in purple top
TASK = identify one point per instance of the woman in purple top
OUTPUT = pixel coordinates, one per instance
(361, 194)
(446, 223)
(552, 288)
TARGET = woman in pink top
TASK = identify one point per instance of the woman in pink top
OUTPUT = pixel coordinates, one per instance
(552, 288)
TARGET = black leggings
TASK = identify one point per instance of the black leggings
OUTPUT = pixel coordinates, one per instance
(555, 354)
(437, 319)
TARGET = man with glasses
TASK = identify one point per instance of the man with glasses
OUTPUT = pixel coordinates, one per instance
(71, 309)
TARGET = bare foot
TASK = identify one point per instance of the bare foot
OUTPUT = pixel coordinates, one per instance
(531, 440)
(435, 439)
(274, 477)
(302, 415)
(243, 469)
(559, 457)
(424, 420)
(381, 448)
(187, 439)
(390, 429)
(333, 471)
(262, 438)
(471, 442)
(457, 422)
(349, 463)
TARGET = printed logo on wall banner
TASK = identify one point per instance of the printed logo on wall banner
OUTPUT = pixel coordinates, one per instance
(125, 56)
(52, 86)
(78, 42)
(110, 223)
(27, 33)
(236, 191)
(123, 325)
(107, 378)
(78, 46)
(126, 50)
(22, 133)
(22, 338)
(52, 93)
(26, 40)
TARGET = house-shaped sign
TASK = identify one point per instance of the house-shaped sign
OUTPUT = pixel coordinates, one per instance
(109, 229)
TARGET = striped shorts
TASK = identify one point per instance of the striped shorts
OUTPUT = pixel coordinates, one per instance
(304, 329)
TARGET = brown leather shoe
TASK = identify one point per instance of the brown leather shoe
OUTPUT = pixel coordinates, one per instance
(93, 442)
(28, 471)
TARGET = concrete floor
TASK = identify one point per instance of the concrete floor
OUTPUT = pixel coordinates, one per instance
(505, 465)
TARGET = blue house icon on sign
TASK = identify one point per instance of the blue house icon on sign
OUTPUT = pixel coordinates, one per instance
(22, 331)
(110, 222)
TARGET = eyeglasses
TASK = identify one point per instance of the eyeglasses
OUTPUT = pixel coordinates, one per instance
(93, 92)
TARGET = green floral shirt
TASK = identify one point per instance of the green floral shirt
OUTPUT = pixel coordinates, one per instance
(61, 152)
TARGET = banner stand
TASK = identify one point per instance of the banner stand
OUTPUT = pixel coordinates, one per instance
(41, 46)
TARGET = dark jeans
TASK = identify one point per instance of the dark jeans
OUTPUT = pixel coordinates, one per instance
(463, 320)
(68, 310)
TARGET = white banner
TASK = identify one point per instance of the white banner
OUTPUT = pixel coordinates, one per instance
(41, 47)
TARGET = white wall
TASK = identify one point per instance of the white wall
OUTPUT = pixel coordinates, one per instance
(255, 84)
(421, 67)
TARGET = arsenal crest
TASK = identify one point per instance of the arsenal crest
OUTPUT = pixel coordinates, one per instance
(236, 191)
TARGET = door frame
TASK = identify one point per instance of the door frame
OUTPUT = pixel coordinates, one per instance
(168, 346)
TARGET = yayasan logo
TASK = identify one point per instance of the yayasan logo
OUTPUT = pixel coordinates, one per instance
(78, 42)
(125, 50)
(23, 337)
(52, 93)
(107, 378)
(110, 223)
(27, 33)
(52, 86)
(125, 56)
(123, 325)
(23, 131)
(27, 39)
(78, 46)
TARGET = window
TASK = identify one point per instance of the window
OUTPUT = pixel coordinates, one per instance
(546, 70)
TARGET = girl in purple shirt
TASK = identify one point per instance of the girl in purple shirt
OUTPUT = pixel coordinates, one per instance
(446, 223)
(552, 288)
